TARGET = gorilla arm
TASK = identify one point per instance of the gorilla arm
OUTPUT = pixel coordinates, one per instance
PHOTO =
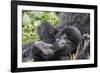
(44, 48)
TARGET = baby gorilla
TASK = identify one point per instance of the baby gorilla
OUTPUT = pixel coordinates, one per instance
(69, 38)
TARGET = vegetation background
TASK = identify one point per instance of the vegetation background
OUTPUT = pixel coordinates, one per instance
(32, 19)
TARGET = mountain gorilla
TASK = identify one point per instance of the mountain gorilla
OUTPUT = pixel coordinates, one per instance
(62, 42)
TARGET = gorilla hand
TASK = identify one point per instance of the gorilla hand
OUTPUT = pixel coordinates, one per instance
(45, 48)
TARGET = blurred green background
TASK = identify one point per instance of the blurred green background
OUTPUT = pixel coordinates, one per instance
(32, 19)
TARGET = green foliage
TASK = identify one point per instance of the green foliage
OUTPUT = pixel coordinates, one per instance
(32, 19)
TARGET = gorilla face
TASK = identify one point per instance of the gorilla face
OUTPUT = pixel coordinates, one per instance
(62, 40)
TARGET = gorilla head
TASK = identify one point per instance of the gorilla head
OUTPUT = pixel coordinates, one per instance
(62, 40)
(68, 36)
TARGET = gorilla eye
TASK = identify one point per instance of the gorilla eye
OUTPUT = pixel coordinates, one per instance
(57, 40)
(65, 37)
(68, 41)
